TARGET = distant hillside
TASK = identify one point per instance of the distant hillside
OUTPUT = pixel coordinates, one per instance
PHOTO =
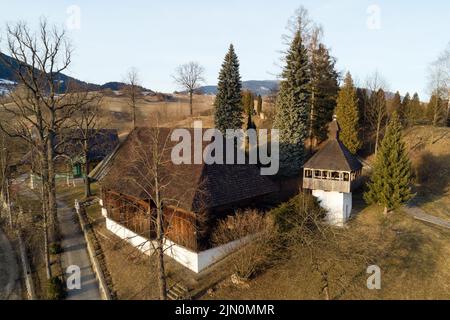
(8, 78)
(117, 86)
(262, 87)
(8, 73)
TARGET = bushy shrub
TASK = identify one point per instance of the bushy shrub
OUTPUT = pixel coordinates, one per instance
(56, 289)
(257, 232)
(55, 248)
(301, 211)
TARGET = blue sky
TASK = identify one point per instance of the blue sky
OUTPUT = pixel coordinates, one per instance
(156, 36)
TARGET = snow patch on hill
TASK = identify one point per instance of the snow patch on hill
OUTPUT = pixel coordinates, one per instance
(5, 86)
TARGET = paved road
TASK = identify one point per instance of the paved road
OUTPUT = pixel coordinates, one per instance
(9, 271)
(420, 214)
(75, 253)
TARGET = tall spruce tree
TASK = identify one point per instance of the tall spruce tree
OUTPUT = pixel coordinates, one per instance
(404, 112)
(416, 110)
(259, 105)
(363, 103)
(292, 108)
(250, 123)
(324, 91)
(395, 104)
(228, 103)
(436, 110)
(248, 101)
(347, 115)
(390, 183)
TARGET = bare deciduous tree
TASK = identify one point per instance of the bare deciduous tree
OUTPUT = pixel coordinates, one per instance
(257, 233)
(133, 91)
(376, 112)
(154, 175)
(41, 104)
(332, 253)
(439, 85)
(86, 120)
(5, 201)
(301, 21)
(190, 76)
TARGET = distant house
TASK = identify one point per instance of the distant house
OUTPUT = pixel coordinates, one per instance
(69, 146)
(101, 143)
(202, 194)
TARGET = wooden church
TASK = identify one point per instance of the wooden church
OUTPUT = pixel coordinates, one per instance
(332, 174)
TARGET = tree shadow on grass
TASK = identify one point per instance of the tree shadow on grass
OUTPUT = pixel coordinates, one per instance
(412, 252)
(432, 174)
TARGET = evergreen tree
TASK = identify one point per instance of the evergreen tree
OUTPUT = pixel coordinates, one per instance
(416, 111)
(292, 108)
(228, 104)
(436, 111)
(390, 183)
(250, 123)
(324, 91)
(248, 101)
(395, 104)
(405, 112)
(347, 115)
(363, 103)
(377, 115)
(259, 105)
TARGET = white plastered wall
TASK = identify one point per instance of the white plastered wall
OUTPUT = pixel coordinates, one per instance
(195, 261)
(338, 205)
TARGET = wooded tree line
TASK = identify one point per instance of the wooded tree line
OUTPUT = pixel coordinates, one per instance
(309, 94)
(42, 109)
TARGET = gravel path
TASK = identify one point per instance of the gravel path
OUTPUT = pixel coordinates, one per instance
(75, 253)
(420, 214)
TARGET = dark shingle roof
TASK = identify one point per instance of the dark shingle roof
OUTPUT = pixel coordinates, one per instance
(101, 143)
(334, 155)
(194, 186)
(69, 144)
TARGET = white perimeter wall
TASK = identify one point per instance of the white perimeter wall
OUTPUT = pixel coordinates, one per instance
(195, 261)
(338, 205)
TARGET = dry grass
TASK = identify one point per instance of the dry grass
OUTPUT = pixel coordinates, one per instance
(116, 112)
(414, 265)
(133, 273)
(430, 155)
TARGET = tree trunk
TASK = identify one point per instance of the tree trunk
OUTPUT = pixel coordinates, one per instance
(191, 111)
(160, 249)
(160, 241)
(134, 115)
(377, 137)
(311, 122)
(48, 268)
(8, 203)
(52, 205)
(326, 292)
(87, 181)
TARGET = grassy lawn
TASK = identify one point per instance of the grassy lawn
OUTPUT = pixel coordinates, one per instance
(30, 220)
(414, 265)
(134, 274)
(430, 155)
